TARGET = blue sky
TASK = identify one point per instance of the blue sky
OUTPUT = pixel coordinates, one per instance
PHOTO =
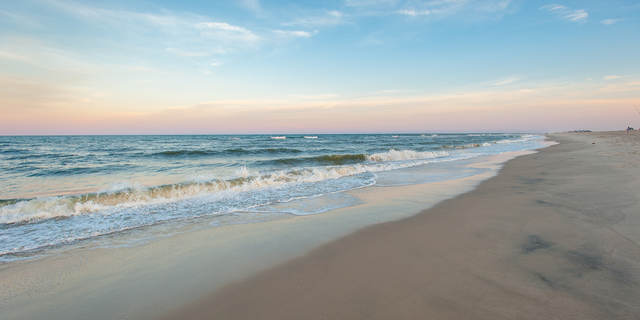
(251, 66)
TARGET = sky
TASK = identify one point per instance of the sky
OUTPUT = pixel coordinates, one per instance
(343, 66)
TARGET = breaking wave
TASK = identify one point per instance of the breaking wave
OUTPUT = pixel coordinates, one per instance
(127, 196)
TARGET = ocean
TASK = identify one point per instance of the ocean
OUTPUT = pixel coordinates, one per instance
(60, 190)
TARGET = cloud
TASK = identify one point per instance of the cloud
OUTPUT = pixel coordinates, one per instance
(63, 108)
(396, 91)
(330, 18)
(466, 9)
(577, 16)
(611, 77)
(226, 32)
(500, 108)
(622, 87)
(186, 34)
(503, 81)
(555, 7)
(326, 96)
(21, 94)
(253, 5)
(299, 34)
(362, 3)
(221, 26)
(566, 13)
(19, 18)
(609, 22)
(183, 53)
(13, 56)
(205, 70)
(413, 13)
(39, 54)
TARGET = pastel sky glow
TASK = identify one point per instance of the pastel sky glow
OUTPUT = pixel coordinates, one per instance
(343, 66)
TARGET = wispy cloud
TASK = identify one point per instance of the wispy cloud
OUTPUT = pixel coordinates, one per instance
(565, 13)
(611, 77)
(362, 3)
(19, 18)
(325, 96)
(503, 81)
(253, 5)
(42, 55)
(187, 34)
(183, 53)
(394, 91)
(206, 67)
(609, 22)
(13, 56)
(413, 13)
(622, 87)
(470, 9)
(299, 34)
(512, 108)
(329, 18)
(226, 32)
(19, 94)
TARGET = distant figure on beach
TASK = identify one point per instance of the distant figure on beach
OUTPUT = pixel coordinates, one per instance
(628, 129)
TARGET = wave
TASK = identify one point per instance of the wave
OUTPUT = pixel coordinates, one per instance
(81, 170)
(174, 153)
(394, 155)
(343, 159)
(262, 151)
(472, 145)
(32, 156)
(522, 139)
(197, 153)
(326, 160)
(127, 196)
(277, 150)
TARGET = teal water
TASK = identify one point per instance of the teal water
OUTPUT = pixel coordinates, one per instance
(64, 189)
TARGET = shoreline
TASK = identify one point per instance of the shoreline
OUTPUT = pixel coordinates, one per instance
(553, 236)
(85, 281)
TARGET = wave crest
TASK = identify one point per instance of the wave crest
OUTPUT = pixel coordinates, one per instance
(395, 155)
(127, 196)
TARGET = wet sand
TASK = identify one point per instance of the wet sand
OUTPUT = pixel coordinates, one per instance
(555, 235)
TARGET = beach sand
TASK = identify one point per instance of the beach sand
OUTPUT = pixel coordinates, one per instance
(554, 235)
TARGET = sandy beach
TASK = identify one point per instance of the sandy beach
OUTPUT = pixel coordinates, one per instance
(552, 235)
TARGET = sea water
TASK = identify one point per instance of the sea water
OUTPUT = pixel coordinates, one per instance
(56, 190)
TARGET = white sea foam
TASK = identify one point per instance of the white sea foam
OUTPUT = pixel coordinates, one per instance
(524, 138)
(126, 195)
(395, 155)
